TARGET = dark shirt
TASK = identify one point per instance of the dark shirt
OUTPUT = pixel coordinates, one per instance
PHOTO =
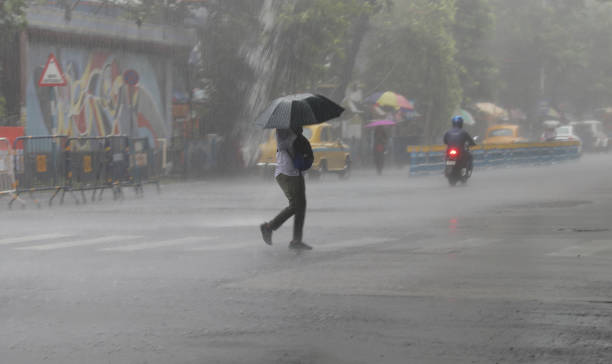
(460, 138)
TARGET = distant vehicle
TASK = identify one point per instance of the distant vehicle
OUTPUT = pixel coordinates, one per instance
(457, 167)
(331, 155)
(549, 133)
(592, 135)
(567, 133)
(503, 134)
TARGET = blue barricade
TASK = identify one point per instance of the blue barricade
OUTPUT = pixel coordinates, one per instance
(430, 158)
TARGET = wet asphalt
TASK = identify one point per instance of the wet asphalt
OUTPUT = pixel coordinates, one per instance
(515, 267)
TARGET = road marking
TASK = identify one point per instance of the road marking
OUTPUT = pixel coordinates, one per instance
(159, 244)
(586, 250)
(355, 243)
(31, 238)
(80, 243)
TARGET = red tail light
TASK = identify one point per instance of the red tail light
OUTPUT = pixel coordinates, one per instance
(453, 153)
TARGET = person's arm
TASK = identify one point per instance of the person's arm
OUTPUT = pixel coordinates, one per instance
(445, 139)
(470, 140)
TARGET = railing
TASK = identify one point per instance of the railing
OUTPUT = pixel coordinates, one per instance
(7, 172)
(69, 165)
(430, 158)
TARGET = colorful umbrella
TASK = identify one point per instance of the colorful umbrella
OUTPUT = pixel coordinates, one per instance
(491, 109)
(376, 123)
(391, 99)
(468, 119)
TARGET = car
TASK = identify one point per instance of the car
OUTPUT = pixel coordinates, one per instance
(331, 154)
(503, 134)
(592, 135)
(567, 133)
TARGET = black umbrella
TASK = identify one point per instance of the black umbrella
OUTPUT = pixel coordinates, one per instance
(297, 110)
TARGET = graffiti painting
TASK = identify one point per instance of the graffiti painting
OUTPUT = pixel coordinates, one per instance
(96, 100)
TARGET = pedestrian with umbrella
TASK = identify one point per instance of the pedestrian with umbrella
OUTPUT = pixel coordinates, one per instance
(380, 142)
(288, 115)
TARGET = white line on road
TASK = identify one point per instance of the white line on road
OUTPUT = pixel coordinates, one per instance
(159, 244)
(31, 238)
(588, 249)
(80, 243)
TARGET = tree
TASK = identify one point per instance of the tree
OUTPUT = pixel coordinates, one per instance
(412, 52)
(473, 33)
(12, 20)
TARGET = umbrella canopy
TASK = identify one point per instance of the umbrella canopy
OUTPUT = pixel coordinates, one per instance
(491, 109)
(468, 119)
(376, 123)
(297, 110)
(391, 99)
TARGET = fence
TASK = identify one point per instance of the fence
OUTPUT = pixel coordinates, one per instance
(7, 172)
(39, 164)
(69, 165)
(430, 159)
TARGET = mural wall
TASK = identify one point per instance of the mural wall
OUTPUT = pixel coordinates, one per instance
(96, 100)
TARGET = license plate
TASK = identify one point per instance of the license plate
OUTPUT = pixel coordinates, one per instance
(451, 163)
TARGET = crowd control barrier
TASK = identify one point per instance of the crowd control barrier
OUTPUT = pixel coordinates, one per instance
(431, 158)
(7, 172)
(86, 161)
(72, 165)
(39, 164)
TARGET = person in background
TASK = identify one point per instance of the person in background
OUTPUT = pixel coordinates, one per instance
(380, 144)
(291, 181)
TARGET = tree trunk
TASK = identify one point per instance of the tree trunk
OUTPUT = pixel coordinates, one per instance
(360, 30)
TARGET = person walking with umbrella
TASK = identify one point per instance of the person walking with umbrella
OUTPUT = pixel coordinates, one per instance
(380, 142)
(287, 115)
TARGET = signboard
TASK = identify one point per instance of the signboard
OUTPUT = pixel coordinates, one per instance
(87, 164)
(52, 74)
(41, 163)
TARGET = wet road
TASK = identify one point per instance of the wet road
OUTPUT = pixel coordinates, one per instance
(514, 268)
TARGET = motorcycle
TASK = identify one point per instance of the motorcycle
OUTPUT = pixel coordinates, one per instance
(458, 168)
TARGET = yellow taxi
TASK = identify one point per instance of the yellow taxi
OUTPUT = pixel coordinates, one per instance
(503, 134)
(331, 155)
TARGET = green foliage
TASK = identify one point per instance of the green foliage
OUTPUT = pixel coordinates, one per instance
(12, 20)
(225, 71)
(412, 52)
(557, 51)
(315, 36)
(474, 26)
(2, 107)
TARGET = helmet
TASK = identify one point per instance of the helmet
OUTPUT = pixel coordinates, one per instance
(458, 121)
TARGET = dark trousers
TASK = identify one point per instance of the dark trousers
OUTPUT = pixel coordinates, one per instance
(295, 190)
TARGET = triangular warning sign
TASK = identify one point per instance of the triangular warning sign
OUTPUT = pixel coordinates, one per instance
(52, 74)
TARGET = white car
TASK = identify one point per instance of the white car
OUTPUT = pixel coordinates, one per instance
(567, 133)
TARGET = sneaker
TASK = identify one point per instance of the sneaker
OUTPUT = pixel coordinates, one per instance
(266, 233)
(299, 245)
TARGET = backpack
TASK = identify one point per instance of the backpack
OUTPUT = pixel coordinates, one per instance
(303, 155)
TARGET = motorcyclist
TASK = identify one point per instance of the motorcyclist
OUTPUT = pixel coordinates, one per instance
(459, 138)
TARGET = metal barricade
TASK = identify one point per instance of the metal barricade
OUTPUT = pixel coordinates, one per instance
(118, 163)
(427, 159)
(86, 166)
(144, 164)
(39, 164)
(7, 173)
